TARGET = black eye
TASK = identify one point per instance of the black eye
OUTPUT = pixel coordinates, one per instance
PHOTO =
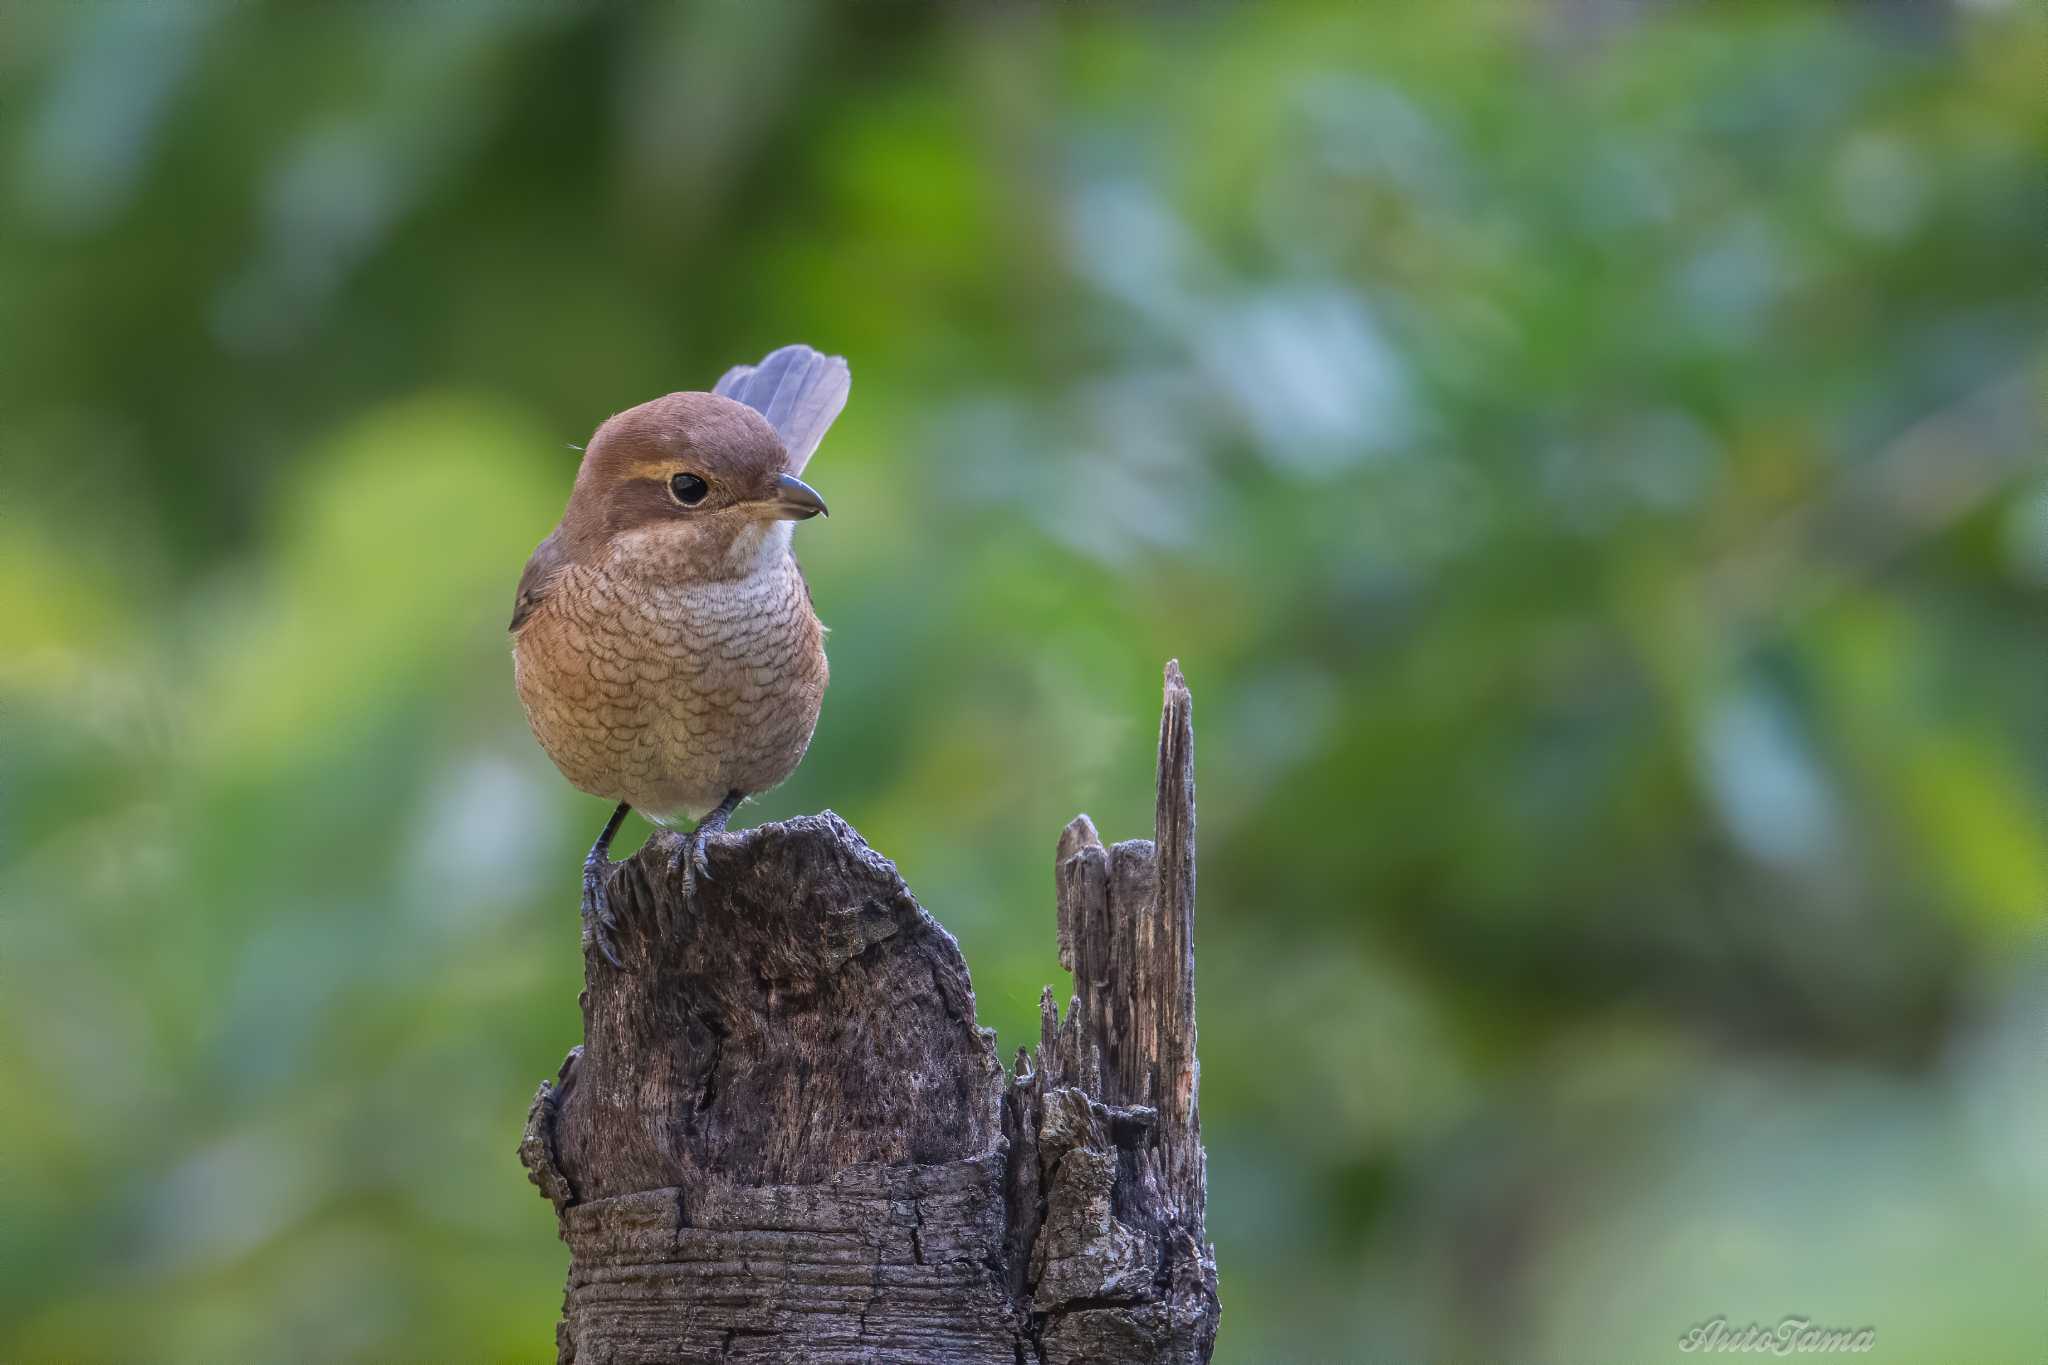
(688, 489)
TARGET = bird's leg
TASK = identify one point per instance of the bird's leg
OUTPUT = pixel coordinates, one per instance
(598, 919)
(689, 859)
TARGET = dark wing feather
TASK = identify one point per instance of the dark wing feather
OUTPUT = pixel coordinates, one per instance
(800, 391)
(539, 578)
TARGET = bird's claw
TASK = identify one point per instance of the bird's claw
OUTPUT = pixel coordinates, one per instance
(599, 920)
(690, 862)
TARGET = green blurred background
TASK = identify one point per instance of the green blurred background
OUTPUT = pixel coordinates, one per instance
(1589, 458)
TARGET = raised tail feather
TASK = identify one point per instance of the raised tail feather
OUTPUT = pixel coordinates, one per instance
(800, 391)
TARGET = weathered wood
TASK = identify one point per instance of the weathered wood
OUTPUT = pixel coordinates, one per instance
(785, 1138)
(1107, 1177)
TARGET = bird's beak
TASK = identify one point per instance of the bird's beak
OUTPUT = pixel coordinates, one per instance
(796, 500)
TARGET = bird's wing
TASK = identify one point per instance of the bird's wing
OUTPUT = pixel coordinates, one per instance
(800, 391)
(539, 578)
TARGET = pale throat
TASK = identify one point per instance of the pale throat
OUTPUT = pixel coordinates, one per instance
(672, 555)
(771, 540)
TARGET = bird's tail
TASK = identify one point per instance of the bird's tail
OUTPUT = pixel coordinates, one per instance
(800, 391)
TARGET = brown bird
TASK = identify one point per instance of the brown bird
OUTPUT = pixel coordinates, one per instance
(663, 640)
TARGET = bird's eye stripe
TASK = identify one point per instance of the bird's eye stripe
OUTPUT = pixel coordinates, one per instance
(688, 489)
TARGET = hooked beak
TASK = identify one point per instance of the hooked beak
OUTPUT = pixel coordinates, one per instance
(796, 500)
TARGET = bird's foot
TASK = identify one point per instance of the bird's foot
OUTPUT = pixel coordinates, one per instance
(690, 862)
(600, 921)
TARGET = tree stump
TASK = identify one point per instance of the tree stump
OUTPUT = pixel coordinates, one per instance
(785, 1138)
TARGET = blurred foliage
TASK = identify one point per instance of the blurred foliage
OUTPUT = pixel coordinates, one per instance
(1588, 457)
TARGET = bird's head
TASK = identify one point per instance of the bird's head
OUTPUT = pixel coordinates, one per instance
(693, 485)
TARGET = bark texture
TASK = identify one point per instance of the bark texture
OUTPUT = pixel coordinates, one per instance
(785, 1138)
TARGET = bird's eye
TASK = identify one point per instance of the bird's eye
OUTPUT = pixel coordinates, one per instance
(689, 490)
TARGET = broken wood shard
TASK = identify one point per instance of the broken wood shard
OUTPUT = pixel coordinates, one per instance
(785, 1138)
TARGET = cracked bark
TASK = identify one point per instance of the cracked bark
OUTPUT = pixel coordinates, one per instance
(784, 1138)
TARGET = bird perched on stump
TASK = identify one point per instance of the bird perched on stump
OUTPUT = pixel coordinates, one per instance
(663, 639)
